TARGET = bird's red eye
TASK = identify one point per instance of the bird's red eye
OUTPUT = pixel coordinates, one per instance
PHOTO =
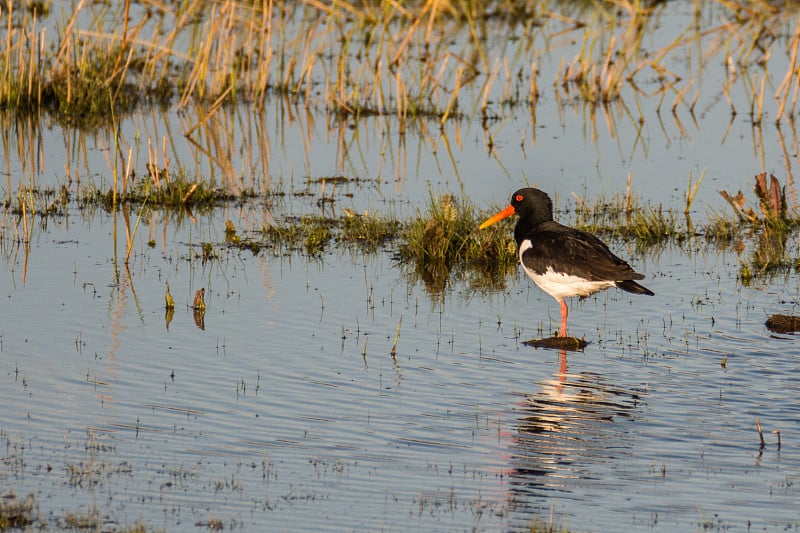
(518, 198)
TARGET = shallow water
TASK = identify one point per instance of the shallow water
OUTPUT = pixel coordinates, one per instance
(282, 408)
(286, 410)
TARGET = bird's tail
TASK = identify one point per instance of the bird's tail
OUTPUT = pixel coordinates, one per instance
(631, 286)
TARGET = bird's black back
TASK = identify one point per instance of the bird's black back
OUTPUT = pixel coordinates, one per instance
(563, 249)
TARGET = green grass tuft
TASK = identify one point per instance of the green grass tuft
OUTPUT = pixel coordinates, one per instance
(446, 236)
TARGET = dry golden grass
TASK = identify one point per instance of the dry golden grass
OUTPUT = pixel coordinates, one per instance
(437, 58)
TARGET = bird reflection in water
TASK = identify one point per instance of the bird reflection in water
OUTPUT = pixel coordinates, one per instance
(564, 434)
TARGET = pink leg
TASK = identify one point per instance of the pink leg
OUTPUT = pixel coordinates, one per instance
(564, 313)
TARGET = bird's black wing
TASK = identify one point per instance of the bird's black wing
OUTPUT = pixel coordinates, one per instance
(574, 252)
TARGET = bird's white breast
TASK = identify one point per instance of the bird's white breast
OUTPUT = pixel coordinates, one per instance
(558, 284)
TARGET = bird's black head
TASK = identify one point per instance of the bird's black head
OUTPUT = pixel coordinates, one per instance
(533, 205)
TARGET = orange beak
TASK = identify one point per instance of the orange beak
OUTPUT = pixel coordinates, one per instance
(507, 212)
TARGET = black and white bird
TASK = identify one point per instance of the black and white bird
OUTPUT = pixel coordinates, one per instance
(563, 261)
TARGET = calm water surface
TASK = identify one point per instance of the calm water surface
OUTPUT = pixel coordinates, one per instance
(282, 408)
(287, 411)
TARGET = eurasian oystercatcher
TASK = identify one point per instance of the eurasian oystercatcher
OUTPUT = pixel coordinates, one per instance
(563, 261)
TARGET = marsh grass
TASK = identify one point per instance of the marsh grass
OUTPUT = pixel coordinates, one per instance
(181, 191)
(79, 77)
(16, 513)
(445, 236)
(622, 216)
(435, 58)
(42, 201)
(438, 244)
(368, 231)
(23, 514)
(722, 229)
(313, 233)
(90, 520)
(539, 525)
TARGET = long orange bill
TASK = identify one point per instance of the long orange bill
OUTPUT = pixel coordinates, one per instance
(507, 212)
